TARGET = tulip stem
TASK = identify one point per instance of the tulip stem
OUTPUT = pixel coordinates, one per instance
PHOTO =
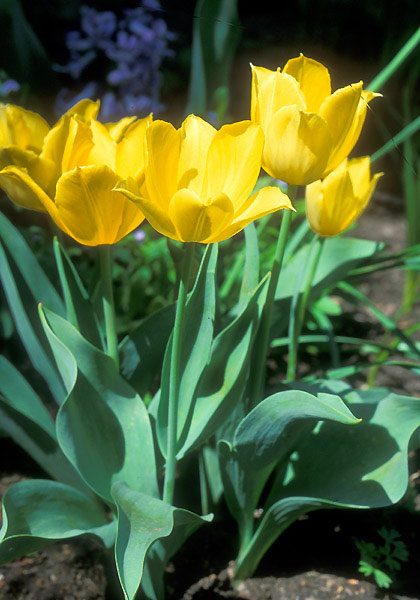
(108, 302)
(298, 316)
(263, 335)
(175, 376)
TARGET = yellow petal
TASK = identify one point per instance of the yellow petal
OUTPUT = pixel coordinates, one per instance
(196, 221)
(42, 171)
(22, 128)
(264, 202)
(130, 152)
(163, 148)
(330, 204)
(155, 214)
(313, 78)
(117, 130)
(104, 147)
(88, 209)
(345, 113)
(359, 171)
(85, 110)
(271, 90)
(234, 162)
(196, 137)
(23, 190)
(68, 144)
(297, 146)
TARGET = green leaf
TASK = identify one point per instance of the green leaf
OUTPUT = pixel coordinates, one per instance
(142, 520)
(224, 378)
(27, 325)
(17, 392)
(334, 467)
(103, 426)
(251, 276)
(339, 256)
(80, 310)
(195, 348)
(40, 512)
(35, 278)
(265, 437)
(142, 351)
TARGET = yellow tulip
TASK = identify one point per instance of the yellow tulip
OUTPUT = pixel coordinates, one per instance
(72, 173)
(308, 131)
(336, 202)
(199, 180)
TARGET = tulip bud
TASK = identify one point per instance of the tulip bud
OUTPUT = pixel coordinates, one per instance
(336, 202)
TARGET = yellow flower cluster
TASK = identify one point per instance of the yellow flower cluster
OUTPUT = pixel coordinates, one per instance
(193, 184)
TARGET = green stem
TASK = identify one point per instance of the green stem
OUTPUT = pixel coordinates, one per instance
(68, 300)
(108, 303)
(263, 336)
(297, 319)
(203, 483)
(175, 376)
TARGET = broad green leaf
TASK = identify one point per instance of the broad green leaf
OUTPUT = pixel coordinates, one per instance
(265, 437)
(17, 392)
(251, 276)
(335, 467)
(39, 512)
(34, 276)
(80, 310)
(103, 426)
(142, 351)
(195, 347)
(142, 520)
(27, 325)
(225, 376)
(339, 256)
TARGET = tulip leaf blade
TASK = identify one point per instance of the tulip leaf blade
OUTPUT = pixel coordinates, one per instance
(336, 467)
(142, 520)
(251, 274)
(27, 324)
(142, 351)
(195, 348)
(80, 311)
(223, 380)
(40, 512)
(102, 414)
(266, 436)
(34, 276)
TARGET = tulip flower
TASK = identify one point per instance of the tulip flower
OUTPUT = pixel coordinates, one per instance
(199, 180)
(308, 131)
(72, 171)
(336, 202)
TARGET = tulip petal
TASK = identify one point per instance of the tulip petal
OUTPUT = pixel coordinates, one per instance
(196, 137)
(68, 144)
(196, 221)
(345, 113)
(130, 152)
(85, 109)
(359, 171)
(297, 146)
(330, 204)
(104, 147)
(23, 190)
(156, 216)
(163, 149)
(42, 171)
(234, 162)
(272, 90)
(90, 210)
(22, 127)
(117, 130)
(313, 78)
(264, 202)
